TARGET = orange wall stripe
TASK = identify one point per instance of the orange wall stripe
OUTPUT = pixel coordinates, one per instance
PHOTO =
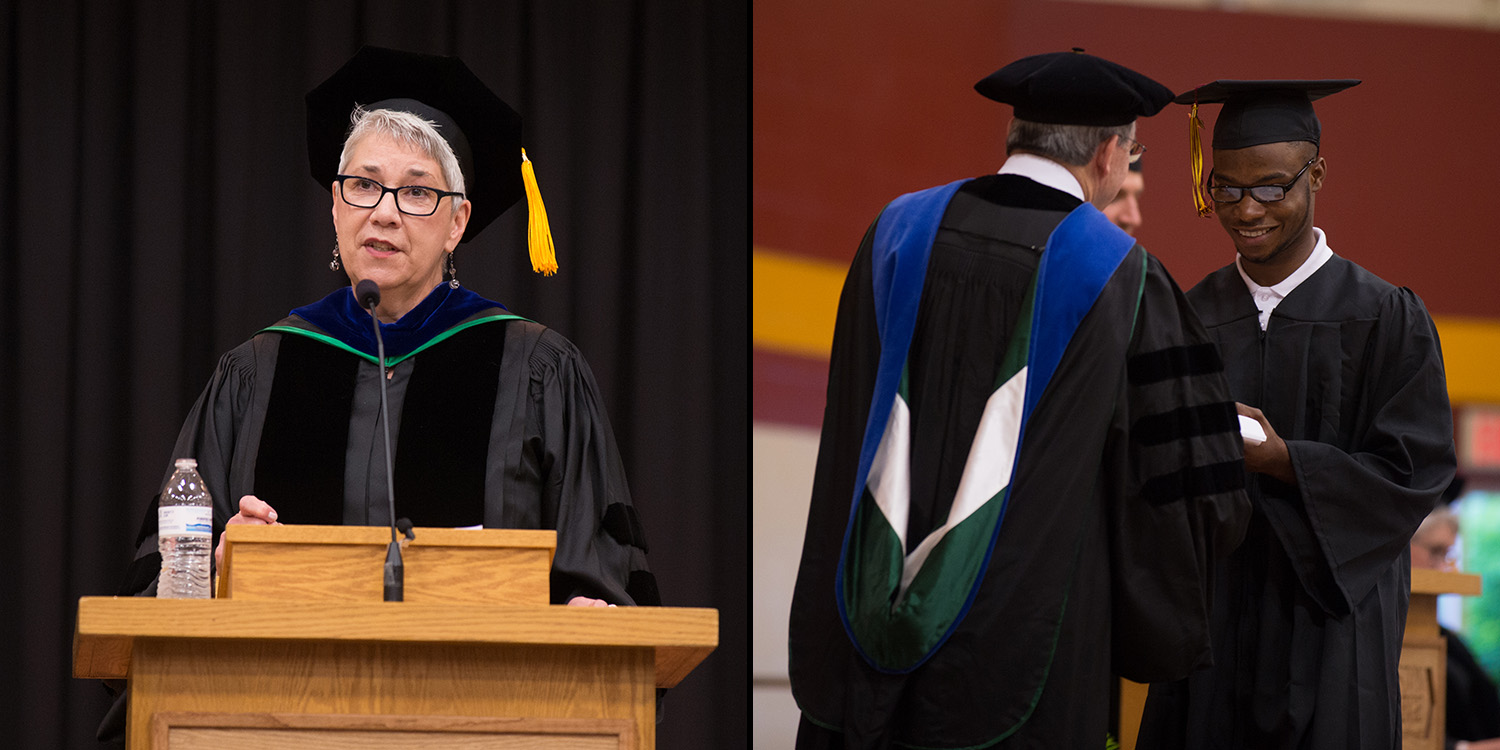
(795, 300)
(1471, 356)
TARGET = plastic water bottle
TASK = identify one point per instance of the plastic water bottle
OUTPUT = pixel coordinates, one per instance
(185, 534)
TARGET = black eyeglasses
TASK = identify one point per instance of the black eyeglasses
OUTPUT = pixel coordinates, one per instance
(413, 200)
(1261, 193)
(1135, 150)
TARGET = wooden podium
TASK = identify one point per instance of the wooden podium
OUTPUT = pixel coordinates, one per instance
(1424, 658)
(1423, 669)
(299, 651)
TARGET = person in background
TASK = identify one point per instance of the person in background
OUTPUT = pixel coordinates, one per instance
(1125, 209)
(1012, 499)
(1343, 373)
(1473, 713)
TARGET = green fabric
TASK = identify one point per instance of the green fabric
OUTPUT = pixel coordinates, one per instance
(391, 362)
(899, 630)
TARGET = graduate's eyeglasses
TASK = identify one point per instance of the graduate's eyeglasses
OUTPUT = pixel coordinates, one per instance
(413, 200)
(1135, 149)
(1261, 193)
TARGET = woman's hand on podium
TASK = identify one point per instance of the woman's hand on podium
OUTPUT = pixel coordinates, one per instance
(252, 510)
(583, 601)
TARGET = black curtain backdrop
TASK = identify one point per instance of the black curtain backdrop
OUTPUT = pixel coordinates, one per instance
(156, 210)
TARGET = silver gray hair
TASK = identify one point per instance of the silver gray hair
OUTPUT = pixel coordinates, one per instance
(410, 129)
(1073, 145)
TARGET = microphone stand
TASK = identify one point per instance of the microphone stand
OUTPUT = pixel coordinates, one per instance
(369, 296)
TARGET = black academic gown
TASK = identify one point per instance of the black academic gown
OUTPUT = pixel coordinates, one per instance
(1127, 487)
(499, 425)
(1309, 611)
(1473, 702)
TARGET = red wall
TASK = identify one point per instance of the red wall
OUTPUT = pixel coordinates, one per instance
(857, 102)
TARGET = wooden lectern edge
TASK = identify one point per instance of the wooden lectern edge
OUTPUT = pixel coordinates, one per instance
(107, 627)
(1425, 581)
(322, 534)
(308, 726)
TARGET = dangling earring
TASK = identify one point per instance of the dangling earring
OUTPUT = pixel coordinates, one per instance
(452, 273)
(333, 265)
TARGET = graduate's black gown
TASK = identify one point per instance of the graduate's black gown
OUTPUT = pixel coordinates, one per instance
(1129, 485)
(1309, 611)
(497, 424)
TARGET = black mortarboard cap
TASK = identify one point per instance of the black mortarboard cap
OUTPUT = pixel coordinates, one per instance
(1254, 112)
(483, 130)
(1257, 112)
(1074, 88)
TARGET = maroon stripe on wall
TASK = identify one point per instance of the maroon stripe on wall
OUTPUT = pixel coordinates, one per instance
(789, 389)
(892, 109)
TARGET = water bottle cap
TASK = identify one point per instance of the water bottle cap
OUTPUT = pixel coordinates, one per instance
(187, 463)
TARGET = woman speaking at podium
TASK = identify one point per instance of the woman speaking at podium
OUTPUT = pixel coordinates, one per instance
(495, 419)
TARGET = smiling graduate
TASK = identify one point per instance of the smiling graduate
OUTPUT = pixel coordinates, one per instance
(1343, 372)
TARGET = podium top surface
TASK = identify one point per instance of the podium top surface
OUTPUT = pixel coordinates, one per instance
(325, 563)
(1426, 581)
(108, 626)
(380, 535)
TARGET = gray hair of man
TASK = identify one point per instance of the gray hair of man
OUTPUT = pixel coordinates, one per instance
(1073, 145)
(410, 129)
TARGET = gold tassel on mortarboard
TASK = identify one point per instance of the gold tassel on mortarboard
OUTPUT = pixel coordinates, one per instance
(1195, 156)
(538, 232)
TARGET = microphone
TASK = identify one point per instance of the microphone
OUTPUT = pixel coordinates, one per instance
(368, 294)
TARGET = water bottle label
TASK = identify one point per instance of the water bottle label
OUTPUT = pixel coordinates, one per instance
(185, 520)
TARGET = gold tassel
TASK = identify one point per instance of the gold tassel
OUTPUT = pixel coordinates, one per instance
(1195, 149)
(538, 232)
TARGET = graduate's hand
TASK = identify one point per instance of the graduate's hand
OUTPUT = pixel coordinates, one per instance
(583, 601)
(252, 510)
(1270, 457)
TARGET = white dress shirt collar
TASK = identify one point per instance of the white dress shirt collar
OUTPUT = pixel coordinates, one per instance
(1268, 297)
(1045, 171)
